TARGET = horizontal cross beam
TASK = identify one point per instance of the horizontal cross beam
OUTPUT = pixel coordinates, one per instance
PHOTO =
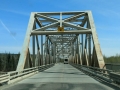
(58, 33)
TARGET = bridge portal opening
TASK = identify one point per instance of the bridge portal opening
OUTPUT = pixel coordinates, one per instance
(54, 35)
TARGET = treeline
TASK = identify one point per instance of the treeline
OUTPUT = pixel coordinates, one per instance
(112, 59)
(8, 62)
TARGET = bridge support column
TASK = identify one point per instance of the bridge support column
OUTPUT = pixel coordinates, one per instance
(99, 56)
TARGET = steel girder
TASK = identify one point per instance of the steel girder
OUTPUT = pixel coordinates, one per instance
(56, 34)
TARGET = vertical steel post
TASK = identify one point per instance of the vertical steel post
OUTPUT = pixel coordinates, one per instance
(33, 38)
(72, 53)
(82, 48)
(46, 47)
(44, 53)
(78, 56)
(61, 19)
(52, 53)
(49, 50)
(80, 59)
(89, 44)
(42, 49)
(55, 53)
(89, 48)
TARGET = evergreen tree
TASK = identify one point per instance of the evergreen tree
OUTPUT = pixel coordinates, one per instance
(8, 62)
(0, 63)
(13, 63)
(4, 58)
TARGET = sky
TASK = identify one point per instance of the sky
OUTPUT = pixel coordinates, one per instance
(14, 17)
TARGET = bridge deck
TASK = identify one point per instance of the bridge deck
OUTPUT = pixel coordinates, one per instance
(59, 77)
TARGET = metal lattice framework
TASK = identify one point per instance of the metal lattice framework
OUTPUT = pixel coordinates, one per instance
(59, 35)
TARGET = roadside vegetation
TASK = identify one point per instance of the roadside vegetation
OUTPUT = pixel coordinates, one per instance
(112, 59)
(8, 61)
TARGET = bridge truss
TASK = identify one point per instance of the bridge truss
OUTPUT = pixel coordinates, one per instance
(52, 36)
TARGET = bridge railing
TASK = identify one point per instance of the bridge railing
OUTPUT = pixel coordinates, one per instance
(104, 74)
(14, 76)
(4, 78)
(114, 67)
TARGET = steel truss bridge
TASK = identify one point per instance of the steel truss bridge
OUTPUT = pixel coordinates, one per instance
(52, 37)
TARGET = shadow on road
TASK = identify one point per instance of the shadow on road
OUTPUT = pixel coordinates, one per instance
(59, 86)
(77, 73)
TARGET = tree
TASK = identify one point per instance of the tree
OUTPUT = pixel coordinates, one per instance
(0, 63)
(13, 63)
(8, 62)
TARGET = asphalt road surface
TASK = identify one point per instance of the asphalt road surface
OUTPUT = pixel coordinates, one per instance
(60, 77)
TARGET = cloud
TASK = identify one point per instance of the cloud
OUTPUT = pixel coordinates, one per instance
(16, 12)
(11, 33)
(108, 27)
(109, 13)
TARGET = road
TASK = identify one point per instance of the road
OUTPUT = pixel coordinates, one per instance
(60, 77)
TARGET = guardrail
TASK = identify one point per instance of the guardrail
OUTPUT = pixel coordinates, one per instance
(14, 76)
(4, 78)
(1, 73)
(115, 77)
(114, 67)
(104, 74)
